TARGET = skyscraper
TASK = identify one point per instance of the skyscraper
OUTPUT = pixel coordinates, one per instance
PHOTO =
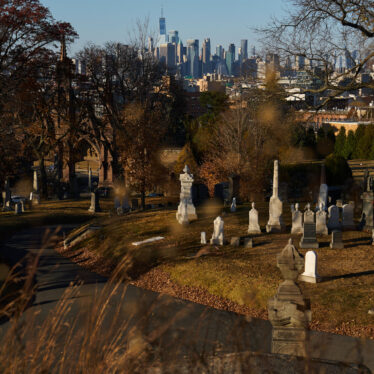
(230, 58)
(193, 58)
(219, 51)
(206, 56)
(244, 49)
(163, 36)
(173, 36)
(167, 55)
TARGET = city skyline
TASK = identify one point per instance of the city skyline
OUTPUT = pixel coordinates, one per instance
(221, 22)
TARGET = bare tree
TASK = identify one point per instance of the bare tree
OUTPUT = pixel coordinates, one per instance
(321, 31)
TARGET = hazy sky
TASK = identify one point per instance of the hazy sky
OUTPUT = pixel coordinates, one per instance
(224, 21)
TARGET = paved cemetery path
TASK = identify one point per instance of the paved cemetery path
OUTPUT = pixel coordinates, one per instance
(190, 327)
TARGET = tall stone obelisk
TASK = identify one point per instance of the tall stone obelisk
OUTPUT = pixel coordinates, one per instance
(275, 223)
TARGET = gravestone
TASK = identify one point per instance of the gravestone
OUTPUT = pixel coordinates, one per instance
(323, 189)
(217, 237)
(117, 203)
(95, 202)
(333, 220)
(289, 312)
(275, 223)
(23, 206)
(297, 220)
(235, 241)
(348, 213)
(339, 203)
(337, 240)
(233, 205)
(18, 208)
(367, 216)
(203, 238)
(186, 209)
(253, 226)
(35, 196)
(248, 243)
(310, 274)
(321, 217)
(308, 215)
(309, 239)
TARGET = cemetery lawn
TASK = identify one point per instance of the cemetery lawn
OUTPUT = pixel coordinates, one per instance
(230, 278)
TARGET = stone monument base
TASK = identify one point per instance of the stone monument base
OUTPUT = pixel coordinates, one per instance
(289, 340)
(309, 279)
(274, 228)
(308, 244)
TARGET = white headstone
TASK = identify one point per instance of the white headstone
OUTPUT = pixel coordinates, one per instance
(333, 221)
(233, 205)
(275, 223)
(203, 237)
(253, 226)
(217, 237)
(95, 202)
(297, 221)
(186, 206)
(310, 274)
(321, 217)
(35, 184)
(308, 215)
(348, 212)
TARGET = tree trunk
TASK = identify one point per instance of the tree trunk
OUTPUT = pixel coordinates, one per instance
(143, 196)
(43, 179)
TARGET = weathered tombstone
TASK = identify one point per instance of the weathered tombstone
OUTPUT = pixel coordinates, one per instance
(367, 216)
(339, 203)
(275, 223)
(253, 226)
(18, 208)
(308, 215)
(235, 241)
(90, 179)
(310, 274)
(248, 243)
(323, 189)
(217, 237)
(134, 204)
(333, 221)
(348, 212)
(321, 217)
(203, 238)
(289, 312)
(183, 214)
(297, 220)
(309, 239)
(95, 202)
(233, 205)
(186, 207)
(35, 196)
(337, 240)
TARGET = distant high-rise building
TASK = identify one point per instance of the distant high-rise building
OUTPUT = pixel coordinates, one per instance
(173, 36)
(168, 55)
(163, 36)
(151, 47)
(193, 58)
(206, 56)
(219, 51)
(180, 52)
(244, 49)
(272, 60)
(299, 62)
(162, 23)
(230, 58)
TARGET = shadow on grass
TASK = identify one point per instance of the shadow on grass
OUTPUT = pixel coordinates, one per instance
(346, 276)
